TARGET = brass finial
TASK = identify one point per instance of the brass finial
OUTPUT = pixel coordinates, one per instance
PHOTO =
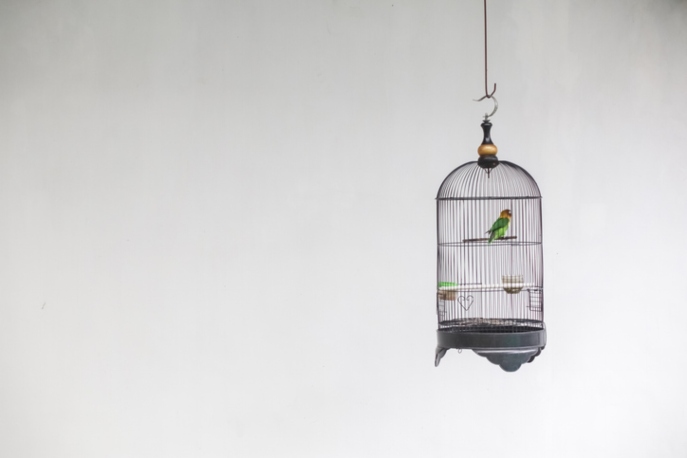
(487, 148)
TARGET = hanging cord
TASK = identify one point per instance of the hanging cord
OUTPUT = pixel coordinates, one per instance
(487, 95)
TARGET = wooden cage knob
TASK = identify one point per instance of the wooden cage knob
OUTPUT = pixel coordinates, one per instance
(487, 148)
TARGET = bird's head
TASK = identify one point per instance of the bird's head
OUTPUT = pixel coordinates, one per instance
(506, 214)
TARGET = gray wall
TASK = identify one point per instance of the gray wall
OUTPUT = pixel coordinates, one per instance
(217, 226)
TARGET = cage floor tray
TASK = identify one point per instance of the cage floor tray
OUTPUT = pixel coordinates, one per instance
(507, 343)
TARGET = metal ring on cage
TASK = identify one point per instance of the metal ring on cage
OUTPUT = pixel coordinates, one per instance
(496, 106)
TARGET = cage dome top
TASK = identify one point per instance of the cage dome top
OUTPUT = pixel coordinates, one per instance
(471, 181)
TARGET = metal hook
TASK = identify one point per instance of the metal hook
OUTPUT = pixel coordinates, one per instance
(496, 104)
(487, 95)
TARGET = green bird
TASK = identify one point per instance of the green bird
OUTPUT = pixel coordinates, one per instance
(500, 226)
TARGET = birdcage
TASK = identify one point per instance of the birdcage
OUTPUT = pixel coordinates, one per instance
(490, 291)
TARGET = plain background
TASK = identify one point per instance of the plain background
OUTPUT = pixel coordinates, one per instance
(217, 226)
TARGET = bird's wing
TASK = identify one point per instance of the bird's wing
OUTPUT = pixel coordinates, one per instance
(498, 224)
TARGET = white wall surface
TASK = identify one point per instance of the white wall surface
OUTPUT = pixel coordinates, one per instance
(217, 226)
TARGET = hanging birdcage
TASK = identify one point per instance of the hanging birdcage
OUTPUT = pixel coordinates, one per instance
(490, 263)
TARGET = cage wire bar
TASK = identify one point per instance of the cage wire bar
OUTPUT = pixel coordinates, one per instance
(490, 295)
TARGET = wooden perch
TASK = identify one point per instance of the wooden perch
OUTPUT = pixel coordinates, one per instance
(486, 239)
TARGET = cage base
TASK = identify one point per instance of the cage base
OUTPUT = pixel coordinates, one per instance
(507, 350)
